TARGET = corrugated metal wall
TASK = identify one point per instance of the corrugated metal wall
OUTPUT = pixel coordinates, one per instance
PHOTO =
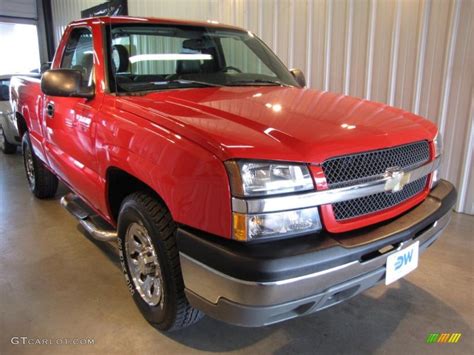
(65, 11)
(417, 55)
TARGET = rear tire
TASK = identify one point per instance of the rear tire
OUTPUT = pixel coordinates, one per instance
(5, 146)
(149, 256)
(41, 181)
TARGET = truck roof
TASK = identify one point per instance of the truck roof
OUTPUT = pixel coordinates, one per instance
(154, 20)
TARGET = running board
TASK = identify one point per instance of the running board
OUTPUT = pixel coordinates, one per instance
(89, 220)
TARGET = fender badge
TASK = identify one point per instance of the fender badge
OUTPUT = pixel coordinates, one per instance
(397, 179)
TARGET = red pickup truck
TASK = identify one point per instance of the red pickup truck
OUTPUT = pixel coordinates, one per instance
(232, 189)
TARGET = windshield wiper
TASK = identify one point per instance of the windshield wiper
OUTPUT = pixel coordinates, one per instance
(147, 87)
(186, 82)
(257, 81)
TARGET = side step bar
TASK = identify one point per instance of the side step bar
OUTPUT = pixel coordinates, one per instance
(89, 220)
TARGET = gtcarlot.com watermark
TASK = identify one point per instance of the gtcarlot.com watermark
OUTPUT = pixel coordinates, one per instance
(51, 341)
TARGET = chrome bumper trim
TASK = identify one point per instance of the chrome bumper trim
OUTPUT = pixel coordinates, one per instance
(212, 285)
(317, 198)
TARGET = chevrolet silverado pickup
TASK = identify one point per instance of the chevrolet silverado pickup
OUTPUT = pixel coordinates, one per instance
(231, 189)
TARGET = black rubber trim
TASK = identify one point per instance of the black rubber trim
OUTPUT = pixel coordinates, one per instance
(295, 257)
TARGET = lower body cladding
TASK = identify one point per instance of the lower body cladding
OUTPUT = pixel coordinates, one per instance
(261, 284)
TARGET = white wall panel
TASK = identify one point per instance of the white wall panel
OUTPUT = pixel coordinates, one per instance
(417, 55)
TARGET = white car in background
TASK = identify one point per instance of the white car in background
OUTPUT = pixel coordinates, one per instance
(9, 138)
(8, 128)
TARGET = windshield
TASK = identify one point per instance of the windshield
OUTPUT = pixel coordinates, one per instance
(157, 57)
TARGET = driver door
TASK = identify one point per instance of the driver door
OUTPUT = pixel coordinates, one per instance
(69, 121)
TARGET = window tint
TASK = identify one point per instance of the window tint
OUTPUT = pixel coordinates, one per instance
(238, 55)
(4, 89)
(160, 44)
(160, 57)
(136, 47)
(79, 54)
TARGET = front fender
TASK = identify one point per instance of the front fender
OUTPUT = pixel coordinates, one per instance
(191, 181)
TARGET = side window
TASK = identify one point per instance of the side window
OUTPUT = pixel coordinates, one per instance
(4, 89)
(79, 54)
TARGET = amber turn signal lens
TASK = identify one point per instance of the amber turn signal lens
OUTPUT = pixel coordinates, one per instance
(275, 225)
(239, 226)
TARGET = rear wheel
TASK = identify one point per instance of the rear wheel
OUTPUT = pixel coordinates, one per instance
(41, 181)
(5, 146)
(150, 262)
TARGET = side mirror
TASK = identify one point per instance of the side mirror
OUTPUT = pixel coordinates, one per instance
(299, 77)
(65, 83)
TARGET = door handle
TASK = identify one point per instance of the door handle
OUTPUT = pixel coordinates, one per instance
(50, 109)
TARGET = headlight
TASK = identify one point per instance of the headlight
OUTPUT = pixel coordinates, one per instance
(264, 178)
(260, 178)
(438, 144)
(275, 225)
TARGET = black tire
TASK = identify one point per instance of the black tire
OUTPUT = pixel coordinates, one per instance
(5, 146)
(43, 184)
(173, 311)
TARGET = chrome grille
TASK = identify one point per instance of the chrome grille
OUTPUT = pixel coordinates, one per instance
(362, 167)
(377, 202)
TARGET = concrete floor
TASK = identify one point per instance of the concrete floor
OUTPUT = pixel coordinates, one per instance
(57, 283)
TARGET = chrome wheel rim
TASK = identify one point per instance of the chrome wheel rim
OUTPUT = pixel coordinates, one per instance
(143, 264)
(29, 167)
(2, 139)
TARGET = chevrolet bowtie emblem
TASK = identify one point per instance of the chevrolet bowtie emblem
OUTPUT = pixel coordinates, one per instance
(397, 179)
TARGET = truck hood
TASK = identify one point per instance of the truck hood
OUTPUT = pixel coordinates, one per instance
(278, 123)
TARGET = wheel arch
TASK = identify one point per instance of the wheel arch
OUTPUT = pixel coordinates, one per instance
(21, 124)
(119, 185)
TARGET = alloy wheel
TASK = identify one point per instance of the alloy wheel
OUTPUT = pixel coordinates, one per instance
(29, 167)
(143, 264)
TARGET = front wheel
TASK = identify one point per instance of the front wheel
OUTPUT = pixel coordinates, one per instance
(150, 262)
(41, 181)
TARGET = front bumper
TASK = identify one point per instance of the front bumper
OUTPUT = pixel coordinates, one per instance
(255, 285)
